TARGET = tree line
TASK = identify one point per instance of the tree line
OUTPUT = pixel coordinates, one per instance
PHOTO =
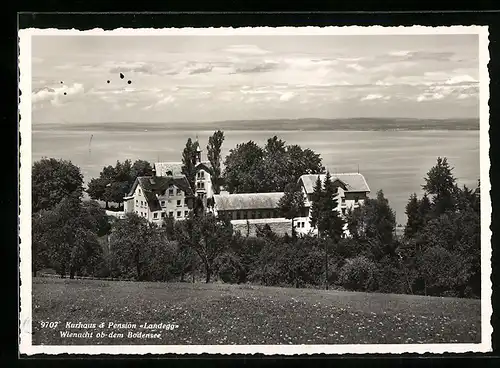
(439, 253)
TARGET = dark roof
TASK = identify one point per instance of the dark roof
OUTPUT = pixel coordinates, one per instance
(353, 182)
(158, 185)
(176, 168)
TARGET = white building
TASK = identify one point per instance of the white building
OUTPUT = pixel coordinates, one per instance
(262, 208)
(352, 191)
(203, 182)
(155, 198)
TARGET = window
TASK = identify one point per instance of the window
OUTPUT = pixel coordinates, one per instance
(136, 202)
(136, 211)
(179, 203)
(155, 215)
(163, 203)
(179, 192)
(140, 191)
(171, 191)
(163, 214)
(238, 215)
(178, 213)
(171, 214)
(142, 204)
(186, 213)
(356, 200)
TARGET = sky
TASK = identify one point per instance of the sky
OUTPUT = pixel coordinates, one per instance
(213, 78)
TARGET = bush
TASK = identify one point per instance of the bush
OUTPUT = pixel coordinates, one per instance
(359, 274)
(229, 268)
(390, 276)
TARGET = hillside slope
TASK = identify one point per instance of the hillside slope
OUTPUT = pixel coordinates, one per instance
(244, 314)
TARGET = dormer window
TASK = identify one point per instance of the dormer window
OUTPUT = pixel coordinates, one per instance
(169, 173)
(171, 191)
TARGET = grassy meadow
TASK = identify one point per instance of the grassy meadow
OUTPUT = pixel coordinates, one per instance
(245, 314)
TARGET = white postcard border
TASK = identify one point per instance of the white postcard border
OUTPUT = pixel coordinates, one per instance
(25, 325)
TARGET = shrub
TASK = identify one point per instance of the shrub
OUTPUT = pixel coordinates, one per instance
(359, 274)
(229, 268)
(390, 276)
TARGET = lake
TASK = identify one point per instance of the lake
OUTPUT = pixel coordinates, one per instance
(395, 161)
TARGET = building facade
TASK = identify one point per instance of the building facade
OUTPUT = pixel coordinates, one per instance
(155, 197)
(352, 191)
(203, 180)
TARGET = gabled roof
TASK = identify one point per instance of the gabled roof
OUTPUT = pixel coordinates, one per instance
(162, 168)
(353, 182)
(158, 185)
(247, 201)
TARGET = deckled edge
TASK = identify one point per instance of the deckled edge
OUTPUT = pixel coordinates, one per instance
(26, 346)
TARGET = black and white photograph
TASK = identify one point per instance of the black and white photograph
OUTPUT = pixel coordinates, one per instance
(255, 190)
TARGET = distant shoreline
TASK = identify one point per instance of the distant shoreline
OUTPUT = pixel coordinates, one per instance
(296, 125)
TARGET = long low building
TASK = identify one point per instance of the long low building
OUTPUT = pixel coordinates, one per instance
(249, 210)
(247, 205)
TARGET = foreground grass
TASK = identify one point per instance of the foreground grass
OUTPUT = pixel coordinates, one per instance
(244, 314)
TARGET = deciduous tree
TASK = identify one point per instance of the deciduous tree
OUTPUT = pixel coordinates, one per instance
(241, 168)
(66, 237)
(131, 242)
(52, 181)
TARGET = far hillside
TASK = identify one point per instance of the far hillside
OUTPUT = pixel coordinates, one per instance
(311, 124)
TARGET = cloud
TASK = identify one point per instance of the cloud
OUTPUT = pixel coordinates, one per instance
(167, 100)
(54, 95)
(246, 50)
(287, 96)
(260, 68)
(461, 79)
(201, 70)
(420, 55)
(355, 66)
(307, 63)
(430, 97)
(137, 67)
(399, 53)
(375, 96)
